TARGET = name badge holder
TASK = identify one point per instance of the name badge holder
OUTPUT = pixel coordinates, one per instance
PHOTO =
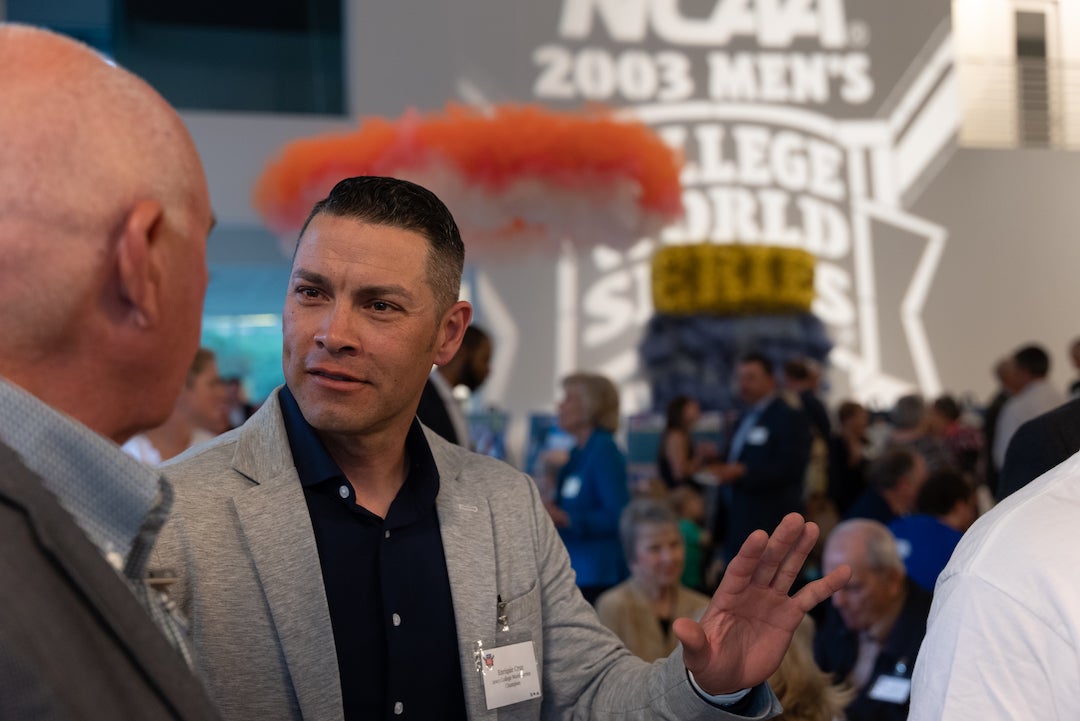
(509, 673)
(893, 687)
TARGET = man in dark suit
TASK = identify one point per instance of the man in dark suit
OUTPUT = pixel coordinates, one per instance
(470, 366)
(1039, 445)
(104, 214)
(766, 456)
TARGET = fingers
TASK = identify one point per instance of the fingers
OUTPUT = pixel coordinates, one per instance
(740, 570)
(784, 539)
(796, 557)
(772, 560)
(814, 593)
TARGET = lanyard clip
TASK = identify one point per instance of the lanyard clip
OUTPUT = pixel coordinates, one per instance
(501, 619)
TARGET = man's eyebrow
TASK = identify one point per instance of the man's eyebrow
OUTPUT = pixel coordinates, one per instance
(366, 291)
(310, 276)
(383, 290)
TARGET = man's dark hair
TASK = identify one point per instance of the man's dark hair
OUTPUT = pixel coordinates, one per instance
(401, 204)
(947, 406)
(941, 492)
(796, 369)
(761, 359)
(908, 412)
(474, 337)
(895, 463)
(847, 410)
(1033, 359)
(674, 413)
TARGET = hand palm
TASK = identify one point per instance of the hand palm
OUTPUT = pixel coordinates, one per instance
(745, 631)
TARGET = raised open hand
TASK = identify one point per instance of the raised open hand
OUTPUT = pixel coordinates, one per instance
(745, 631)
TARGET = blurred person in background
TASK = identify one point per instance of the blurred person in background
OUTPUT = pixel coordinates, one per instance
(1008, 384)
(805, 691)
(848, 456)
(439, 410)
(963, 442)
(1033, 396)
(766, 458)
(945, 508)
(1074, 356)
(240, 407)
(642, 609)
(910, 428)
(872, 634)
(689, 504)
(893, 483)
(680, 457)
(592, 486)
(1039, 445)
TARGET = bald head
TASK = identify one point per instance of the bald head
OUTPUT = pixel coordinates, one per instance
(863, 542)
(86, 148)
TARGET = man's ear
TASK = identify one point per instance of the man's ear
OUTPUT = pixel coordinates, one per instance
(452, 330)
(139, 264)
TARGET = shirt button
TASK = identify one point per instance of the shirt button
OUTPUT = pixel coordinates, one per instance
(399, 708)
(396, 619)
(343, 491)
(387, 534)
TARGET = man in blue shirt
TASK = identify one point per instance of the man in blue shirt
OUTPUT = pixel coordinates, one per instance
(339, 561)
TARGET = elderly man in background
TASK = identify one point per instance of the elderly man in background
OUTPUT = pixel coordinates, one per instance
(104, 214)
(873, 637)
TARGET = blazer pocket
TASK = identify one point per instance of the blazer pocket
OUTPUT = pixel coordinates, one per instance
(522, 608)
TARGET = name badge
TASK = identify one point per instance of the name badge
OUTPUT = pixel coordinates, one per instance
(571, 487)
(510, 674)
(891, 689)
(758, 436)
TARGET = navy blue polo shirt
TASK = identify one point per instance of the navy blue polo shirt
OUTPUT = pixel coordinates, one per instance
(386, 583)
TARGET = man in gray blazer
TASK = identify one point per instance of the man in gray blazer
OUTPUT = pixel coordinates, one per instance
(339, 561)
(104, 214)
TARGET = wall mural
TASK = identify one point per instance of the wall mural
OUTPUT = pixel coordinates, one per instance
(789, 139)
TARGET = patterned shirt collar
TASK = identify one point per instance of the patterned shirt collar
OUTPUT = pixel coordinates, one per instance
(117, 501)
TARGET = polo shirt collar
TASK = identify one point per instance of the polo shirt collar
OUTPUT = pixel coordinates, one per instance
(315, 465)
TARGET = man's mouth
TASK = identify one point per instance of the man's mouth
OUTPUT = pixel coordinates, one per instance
(331, 375)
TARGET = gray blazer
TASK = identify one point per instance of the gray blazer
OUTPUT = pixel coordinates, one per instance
(241, 544)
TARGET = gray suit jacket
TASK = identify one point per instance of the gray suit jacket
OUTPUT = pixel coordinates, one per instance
(241, 543)
(74, 641)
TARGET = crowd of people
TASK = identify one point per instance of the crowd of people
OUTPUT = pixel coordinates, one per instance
(333, 556)
(893, 490)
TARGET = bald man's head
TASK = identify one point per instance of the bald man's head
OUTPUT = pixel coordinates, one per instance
(92, 159)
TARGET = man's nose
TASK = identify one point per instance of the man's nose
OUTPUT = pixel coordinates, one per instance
(336, 333)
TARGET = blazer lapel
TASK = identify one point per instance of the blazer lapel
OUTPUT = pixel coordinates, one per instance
(468, 542)
(275, 522)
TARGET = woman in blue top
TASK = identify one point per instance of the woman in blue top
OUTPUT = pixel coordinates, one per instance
(592, 486)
